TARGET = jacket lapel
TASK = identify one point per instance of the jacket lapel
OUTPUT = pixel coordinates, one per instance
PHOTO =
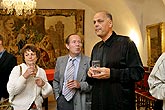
(2, 59)
(82, 68)
(63, 64)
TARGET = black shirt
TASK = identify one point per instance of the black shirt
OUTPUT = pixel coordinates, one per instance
(119, 53)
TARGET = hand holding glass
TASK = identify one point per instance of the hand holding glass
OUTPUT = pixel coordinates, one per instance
(33, 69)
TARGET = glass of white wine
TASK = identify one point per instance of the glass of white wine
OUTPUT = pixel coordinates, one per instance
(32, 66)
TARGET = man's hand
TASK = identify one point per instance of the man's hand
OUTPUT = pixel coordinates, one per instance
(99, 72)
(73, 84)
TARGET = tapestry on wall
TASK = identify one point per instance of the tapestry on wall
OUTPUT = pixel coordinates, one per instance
(47, 29)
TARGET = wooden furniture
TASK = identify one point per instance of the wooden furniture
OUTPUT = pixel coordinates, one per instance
(143, 97)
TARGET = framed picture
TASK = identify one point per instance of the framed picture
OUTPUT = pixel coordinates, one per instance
(47, 29)
(156, 42)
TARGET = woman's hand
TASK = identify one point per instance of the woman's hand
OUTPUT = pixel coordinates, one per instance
(39, 81)
(31, 71)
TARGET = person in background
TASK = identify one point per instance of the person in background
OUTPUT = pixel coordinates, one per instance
(120, 67)
(7, 62)
(156, 81)
(81, 98)
(28, 84)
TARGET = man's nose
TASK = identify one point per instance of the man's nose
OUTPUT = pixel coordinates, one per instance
(96, 24)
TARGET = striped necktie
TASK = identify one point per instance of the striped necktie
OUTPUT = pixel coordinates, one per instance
(68, 93)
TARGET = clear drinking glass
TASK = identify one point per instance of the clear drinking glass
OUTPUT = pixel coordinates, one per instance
(95, 63)
(32, 67)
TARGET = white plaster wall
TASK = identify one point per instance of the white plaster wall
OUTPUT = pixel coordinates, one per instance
(147, 12)
(127, 14)
(118, 9)
(136, 14)
(153, 12)
(124, 20)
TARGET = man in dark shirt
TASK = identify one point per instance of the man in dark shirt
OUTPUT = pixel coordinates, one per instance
(120, 67)
(7, 62)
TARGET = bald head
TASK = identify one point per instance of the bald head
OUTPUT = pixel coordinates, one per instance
(109, 15)
(103, 24)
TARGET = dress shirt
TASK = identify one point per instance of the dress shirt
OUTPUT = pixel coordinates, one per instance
(1, 53)
(76, 64)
